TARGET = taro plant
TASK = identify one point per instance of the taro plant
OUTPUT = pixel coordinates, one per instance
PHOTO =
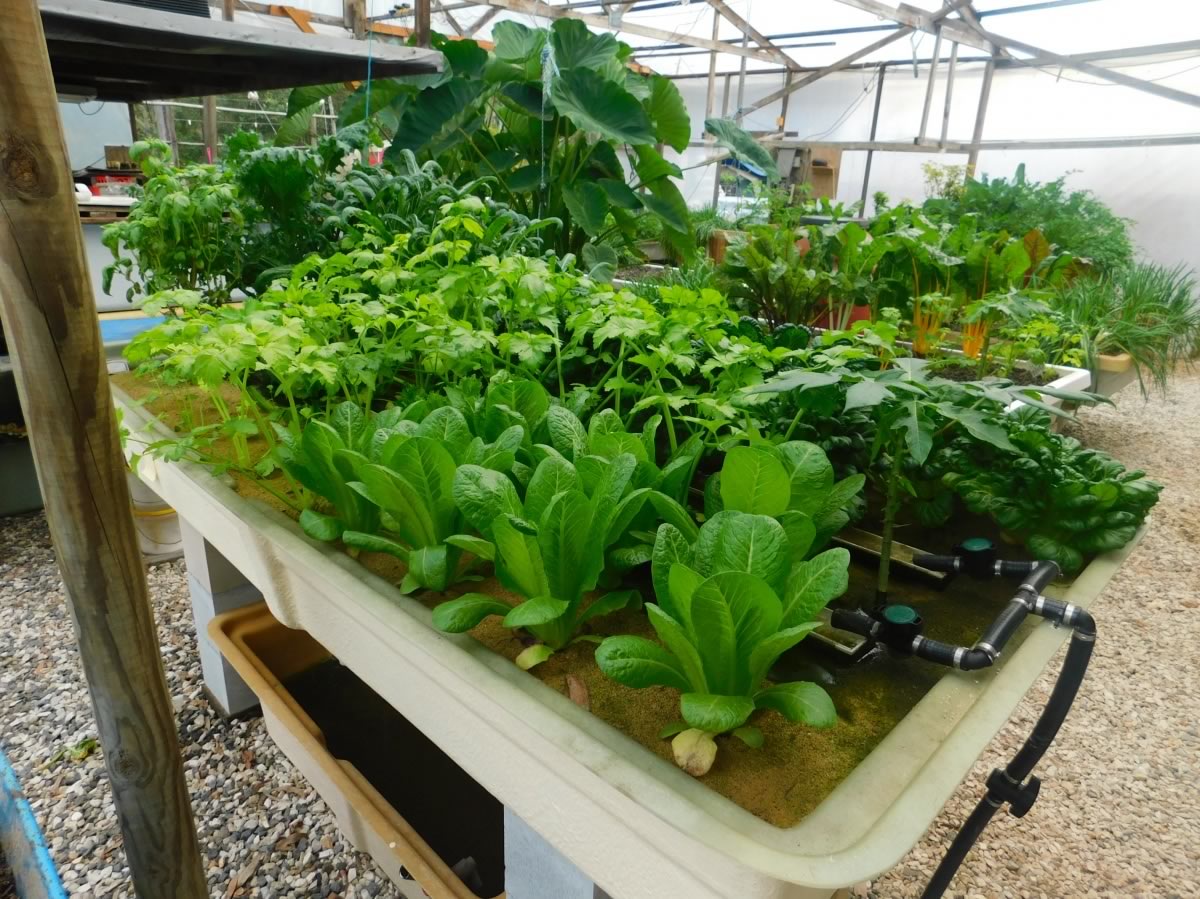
(549, 114)
(721, 633)
(550, 549)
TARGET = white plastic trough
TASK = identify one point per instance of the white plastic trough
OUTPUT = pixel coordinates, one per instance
(634, 823)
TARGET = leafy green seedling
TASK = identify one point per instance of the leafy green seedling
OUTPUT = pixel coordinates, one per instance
(720, 636)
(549, 549)
(791, 482)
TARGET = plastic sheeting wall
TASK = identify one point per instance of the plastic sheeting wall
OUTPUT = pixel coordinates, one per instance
(1156, 187)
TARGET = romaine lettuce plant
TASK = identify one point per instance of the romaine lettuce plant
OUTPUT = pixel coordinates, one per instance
(720, 636)
(389, 480)
(792, 482)
(551, 548)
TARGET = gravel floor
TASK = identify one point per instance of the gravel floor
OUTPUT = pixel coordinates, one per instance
(1119, 810)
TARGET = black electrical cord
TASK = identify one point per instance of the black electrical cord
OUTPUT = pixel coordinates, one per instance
(898, 627)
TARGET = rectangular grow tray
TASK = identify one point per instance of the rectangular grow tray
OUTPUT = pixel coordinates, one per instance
(396, 796)
(633, 822)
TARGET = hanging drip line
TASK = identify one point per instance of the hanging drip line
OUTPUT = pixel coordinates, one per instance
(367, 99)
(549, 70)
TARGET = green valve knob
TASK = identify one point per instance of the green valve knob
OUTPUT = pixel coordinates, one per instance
(976, 544)
(897, 614)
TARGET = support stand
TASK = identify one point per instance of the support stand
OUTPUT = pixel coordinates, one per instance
(216, 587)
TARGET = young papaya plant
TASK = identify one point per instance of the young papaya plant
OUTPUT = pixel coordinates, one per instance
(550, 548)
(720, 636)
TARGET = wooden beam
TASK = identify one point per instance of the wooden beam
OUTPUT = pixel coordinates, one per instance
(490, 13)
(208, 128)
(437, 5)
(900, 32)
(301, 18)
(753, 33)
(48, 312)
(537, 8)
(821, 73)
(920, 20)
(1071, 62)
(355, 13)
(985, 93)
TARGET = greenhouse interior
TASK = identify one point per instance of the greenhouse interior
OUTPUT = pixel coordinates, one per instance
(599, 449)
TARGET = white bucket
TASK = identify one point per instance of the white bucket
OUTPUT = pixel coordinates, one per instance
(157, 523)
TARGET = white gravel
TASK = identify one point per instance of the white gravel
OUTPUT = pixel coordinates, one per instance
(259, 821)
(1119, 814)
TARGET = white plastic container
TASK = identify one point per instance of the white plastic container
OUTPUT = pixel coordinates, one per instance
(636, 824)
(156, 522)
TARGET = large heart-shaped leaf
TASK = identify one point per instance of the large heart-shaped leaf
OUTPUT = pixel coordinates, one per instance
(665, 201)
(588, 204)
(517, 43)
(595, 104)
(577, 46)
(672, 125)
(739, 142)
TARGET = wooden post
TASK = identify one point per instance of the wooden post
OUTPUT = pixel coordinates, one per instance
(208, 128)
(874, 128)
(421, 23)
(164, 118)
(49, 317)
(985, 93)
(355, 13)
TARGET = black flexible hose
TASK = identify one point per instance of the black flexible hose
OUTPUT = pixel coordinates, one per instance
(1009, 785)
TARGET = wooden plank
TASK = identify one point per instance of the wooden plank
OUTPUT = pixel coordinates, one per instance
(49, 317)
(490, 13)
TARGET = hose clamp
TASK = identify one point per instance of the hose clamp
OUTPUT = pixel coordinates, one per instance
(988, 649)
(959, 652)
(1069, 614)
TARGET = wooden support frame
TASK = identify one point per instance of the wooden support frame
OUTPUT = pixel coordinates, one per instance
(975, 35)
(49, 318)
(900, 32)
(751, 32)
(537, 8)
(421, 22)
